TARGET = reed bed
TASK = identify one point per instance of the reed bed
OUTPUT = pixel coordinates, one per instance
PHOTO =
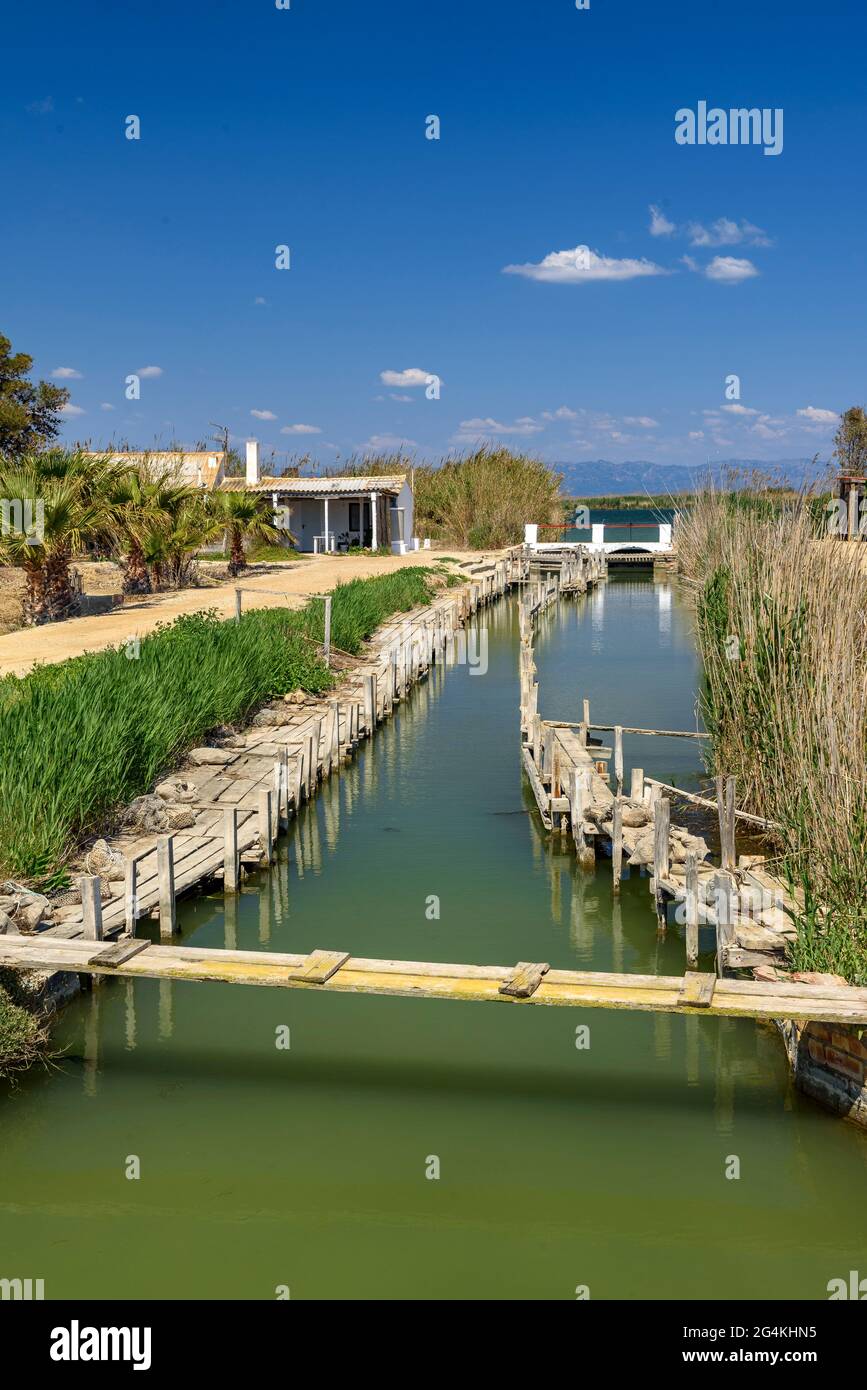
(782, 626)
(479, 500)
(82, 738)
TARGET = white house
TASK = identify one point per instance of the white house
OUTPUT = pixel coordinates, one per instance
(334, 513)
(322, 514)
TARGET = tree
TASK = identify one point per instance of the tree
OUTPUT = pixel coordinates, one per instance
(245, 517)
(850, 441)
(55, 505)
(29, 413)
(145, 505)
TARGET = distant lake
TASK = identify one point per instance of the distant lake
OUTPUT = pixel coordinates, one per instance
(638, 524)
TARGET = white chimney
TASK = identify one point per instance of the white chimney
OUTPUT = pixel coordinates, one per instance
(252, 460)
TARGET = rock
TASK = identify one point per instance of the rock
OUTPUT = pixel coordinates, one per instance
(7, 925)
(817, 977)
(643, 851)
(687, 844)
(210, 757)
(769, 973)
(634, 814)
(270, 717)
(177, 789)
(180, 817)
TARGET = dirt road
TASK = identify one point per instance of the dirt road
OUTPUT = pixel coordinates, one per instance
(292, 585)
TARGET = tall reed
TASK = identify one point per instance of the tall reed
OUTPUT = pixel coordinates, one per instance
(782, 625)
(81, 738)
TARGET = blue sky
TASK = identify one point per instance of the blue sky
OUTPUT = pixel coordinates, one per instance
(306, 127)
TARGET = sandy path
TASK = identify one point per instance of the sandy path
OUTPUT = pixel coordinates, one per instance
(19, 651)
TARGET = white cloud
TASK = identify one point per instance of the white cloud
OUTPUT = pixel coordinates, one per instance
(66, 374)
(659, 223)
(41, 108)
(106, 405)
(762, 428)
(149, 371)
(724, 232)
(389, 441)
(696, 434)
(730, 270)
(524, 425)
(561, 413)
(300, 429)
(739, 410)
(817, 416)
(644, 421)
(411, 376)
(263, 414)
(260, 299)
(71, 410)
(396, 396)
(580, 265)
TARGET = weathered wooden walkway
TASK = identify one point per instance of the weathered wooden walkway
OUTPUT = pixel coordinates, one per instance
(242, 792)
(525, 983)
(749, 909)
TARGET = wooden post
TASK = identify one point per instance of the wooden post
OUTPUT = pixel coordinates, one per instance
(278, 792)
(265, 823)
(618, 758)
(166, 875)
(692, 908)
(636, 786)
(130, 895)
(585, 722)
(327, 642)
(617, 844)
(547, 754)
(231, 860)
(723, 888)
(661, 826)
(313, 761)
(726, 812)
(852, 519)
(91, 907)
(237, 605)
(369, 704)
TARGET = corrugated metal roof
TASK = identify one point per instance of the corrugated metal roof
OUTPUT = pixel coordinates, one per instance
(318, 487)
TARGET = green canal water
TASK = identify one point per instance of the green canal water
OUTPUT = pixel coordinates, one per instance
(601, 1166)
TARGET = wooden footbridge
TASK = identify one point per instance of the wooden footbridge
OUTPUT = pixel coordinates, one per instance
(525, 983)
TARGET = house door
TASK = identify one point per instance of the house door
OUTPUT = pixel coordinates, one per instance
(360, 528)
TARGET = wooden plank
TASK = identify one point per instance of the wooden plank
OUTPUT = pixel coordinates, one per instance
(115, 955)
(320, 966)
(166, 874)
(525, 979)
(692, 908)
(697, 990)
(91, 903)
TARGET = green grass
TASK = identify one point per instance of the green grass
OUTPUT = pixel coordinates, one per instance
(22, 1035)
(82, 738)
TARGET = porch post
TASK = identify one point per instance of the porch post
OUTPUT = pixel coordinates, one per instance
(373, 506)
(325, 504)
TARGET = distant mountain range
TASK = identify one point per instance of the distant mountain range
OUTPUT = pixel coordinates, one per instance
(600, 478)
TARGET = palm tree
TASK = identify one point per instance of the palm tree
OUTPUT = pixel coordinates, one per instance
(245, 517)
(144, 505)
(54, 506)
